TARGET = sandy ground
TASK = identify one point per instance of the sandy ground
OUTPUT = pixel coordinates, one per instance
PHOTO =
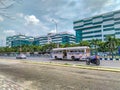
(48, 77)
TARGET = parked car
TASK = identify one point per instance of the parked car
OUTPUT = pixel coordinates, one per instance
(21, 56)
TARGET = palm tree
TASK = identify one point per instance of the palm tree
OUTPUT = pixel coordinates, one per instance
(65, 45)
(84, 43)
(2, 49)
(111, 43)
(102, 46)
(73, 45)
(94, 45)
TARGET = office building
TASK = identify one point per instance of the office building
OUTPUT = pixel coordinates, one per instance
(58, 38)
(19, 40)
(98, 27)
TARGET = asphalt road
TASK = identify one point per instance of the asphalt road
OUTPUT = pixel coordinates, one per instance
(104, 63)
(17, 75)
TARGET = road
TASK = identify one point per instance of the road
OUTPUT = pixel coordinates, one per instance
(27, 76)
(104, 63)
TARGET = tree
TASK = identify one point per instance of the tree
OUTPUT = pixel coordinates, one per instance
(2, 49)
(48, 47)
(84, 43)
(73, 45)
(65, 45)
(94, 45)
(111, 43)
(102, 47)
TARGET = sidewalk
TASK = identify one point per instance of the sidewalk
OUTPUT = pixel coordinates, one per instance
(9, 85)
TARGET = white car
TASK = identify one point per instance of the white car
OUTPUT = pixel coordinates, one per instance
(21, 56)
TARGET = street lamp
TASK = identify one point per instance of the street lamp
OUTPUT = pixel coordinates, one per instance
(55, 25)
(55, 30)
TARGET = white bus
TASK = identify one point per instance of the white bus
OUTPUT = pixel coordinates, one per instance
(74, 53)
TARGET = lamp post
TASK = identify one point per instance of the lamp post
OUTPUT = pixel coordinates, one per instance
(55, 30)
(55, 25)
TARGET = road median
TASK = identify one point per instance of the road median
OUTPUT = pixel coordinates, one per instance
(90, 67)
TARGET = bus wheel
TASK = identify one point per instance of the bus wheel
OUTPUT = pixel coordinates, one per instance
(56, 57)
(73, 58)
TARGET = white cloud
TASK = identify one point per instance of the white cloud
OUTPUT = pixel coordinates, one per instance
(71, 31)
(31, 20)
(20, 15)
(27, 33)
(1, 19)
(9, 32)
(53, 31)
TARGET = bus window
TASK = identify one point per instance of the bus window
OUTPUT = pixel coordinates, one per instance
(60, 52)
(82, 51)
(77, 52)
(56, 52)
(71, 52)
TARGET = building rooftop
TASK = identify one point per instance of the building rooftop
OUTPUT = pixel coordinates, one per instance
(95, 16)
(52, 34)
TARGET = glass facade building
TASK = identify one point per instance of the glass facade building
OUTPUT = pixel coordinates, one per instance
(98, 27)
(19, 40)
(60, 38)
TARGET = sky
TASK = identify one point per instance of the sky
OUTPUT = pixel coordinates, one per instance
(35, 17)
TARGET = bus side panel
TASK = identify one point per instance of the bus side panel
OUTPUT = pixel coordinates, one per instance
(68, 55)
(73, 54)
(59, 56)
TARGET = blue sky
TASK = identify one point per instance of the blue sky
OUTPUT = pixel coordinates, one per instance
(34, 17)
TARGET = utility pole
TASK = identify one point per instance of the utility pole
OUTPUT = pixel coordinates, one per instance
(56, 30)
(55, 25)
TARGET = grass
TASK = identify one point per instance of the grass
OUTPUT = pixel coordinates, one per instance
(67, 64)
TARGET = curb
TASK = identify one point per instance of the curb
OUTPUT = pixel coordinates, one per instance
(76, 66)
(114, 59)
(101, 68)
